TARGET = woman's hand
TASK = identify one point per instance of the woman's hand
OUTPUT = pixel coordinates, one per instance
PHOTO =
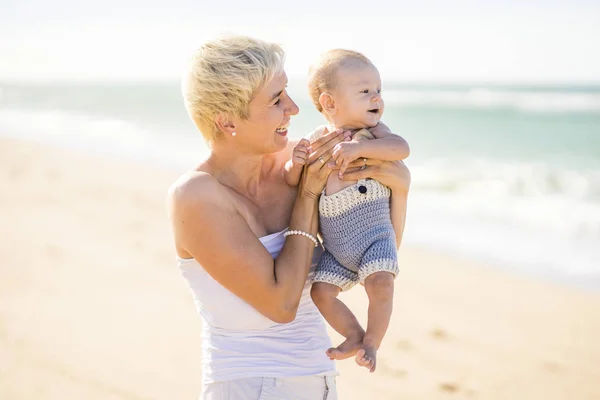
(318, 168)
(393, 174)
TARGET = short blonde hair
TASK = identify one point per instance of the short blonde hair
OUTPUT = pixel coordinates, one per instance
(223, 76)
(322, 76)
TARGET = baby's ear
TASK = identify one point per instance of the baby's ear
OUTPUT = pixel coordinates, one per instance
(327, 103)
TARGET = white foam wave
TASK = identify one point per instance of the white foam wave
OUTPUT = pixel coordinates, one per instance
(100, 134)
(58, 126)
(504, 178)
(528, 249)
(483, 98)
(532, 195)
(535, 217)
(532, 215)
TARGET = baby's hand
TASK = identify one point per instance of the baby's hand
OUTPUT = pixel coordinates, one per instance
(300, 153)
(344, 153)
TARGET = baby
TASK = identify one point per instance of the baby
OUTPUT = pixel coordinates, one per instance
(355, 220)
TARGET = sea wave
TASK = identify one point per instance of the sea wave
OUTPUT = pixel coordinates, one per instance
(531, 101)
(534, 215)
(108, 135)
(537, 195)
(508, 178)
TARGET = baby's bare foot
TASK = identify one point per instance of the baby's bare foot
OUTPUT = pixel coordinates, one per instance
(366, 357)
(346, 349)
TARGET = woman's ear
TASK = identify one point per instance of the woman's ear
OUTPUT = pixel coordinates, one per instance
(327, 103)
(225, 124)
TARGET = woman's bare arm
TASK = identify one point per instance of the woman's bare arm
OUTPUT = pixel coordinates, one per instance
(218, 237)
(211, 230)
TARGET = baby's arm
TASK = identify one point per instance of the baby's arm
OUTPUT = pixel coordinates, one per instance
(293, 168)
(387, 146)
(292, 173)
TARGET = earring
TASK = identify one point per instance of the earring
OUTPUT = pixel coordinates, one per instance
(233, 133)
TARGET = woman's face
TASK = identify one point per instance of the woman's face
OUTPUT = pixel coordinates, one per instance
(265, 130)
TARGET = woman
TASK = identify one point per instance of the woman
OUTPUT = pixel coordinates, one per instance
(245, 240)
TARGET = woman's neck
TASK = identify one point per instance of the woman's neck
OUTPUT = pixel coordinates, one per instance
(243, 172)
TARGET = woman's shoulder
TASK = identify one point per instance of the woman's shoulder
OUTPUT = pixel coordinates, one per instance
(198, 187)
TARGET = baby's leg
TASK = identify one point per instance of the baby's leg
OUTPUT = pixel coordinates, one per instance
(330, 279)
(380, 289)
(379, 268)
(339, 316)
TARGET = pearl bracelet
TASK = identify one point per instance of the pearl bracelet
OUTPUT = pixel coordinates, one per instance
(302, 233)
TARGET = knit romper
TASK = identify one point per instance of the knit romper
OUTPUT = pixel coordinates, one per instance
(358, 235)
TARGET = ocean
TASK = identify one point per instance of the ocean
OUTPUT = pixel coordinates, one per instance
(506, 174)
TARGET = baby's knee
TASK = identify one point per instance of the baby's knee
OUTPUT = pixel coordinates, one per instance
(380, 284)
(322, 292)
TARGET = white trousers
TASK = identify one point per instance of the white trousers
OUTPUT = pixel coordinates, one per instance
(315, 387)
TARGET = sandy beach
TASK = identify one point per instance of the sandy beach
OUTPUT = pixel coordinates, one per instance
(92, 305)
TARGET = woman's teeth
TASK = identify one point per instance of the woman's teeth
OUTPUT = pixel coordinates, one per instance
(282, 128)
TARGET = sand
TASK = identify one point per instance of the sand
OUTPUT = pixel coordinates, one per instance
(92, 305)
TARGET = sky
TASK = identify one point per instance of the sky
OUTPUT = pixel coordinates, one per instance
(426, 41)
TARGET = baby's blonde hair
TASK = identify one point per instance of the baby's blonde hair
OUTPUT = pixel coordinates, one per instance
(322, 76)
(223, 76)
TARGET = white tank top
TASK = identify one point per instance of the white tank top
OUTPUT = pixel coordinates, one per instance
(239, 342)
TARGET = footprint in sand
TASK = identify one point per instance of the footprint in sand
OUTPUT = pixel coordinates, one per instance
(399, 373)
(53, 251)
(15, 173)
(552, 367)
(440, 334)
(384, 369)
(449, 387)
(404, 345)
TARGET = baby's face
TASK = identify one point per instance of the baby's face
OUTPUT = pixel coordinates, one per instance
(358, 97)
